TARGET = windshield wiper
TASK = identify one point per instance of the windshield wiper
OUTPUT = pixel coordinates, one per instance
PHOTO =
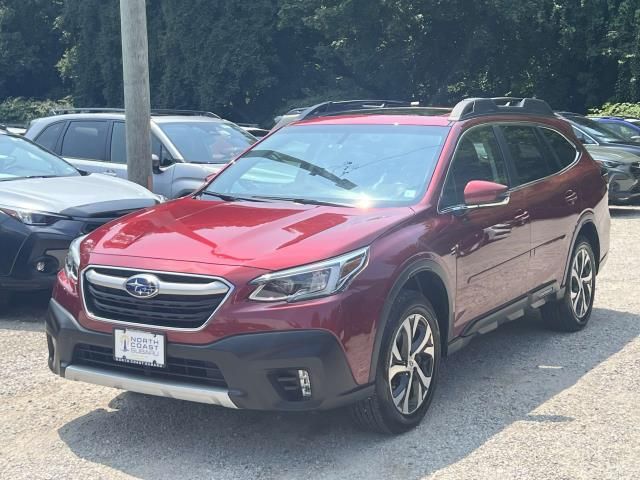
(306, 201)
(230, 198)
(27, 177)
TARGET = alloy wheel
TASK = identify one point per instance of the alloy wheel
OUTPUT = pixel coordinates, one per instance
(581, 283)
(411, 364)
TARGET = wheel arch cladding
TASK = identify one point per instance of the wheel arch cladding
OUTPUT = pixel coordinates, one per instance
(588, 230)
(428, 278)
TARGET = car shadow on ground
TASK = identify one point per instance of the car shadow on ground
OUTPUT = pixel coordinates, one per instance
(499, 379)
(26, 307)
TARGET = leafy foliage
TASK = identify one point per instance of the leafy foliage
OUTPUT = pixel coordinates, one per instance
(21, 111)
(627, 110)
(250, 60)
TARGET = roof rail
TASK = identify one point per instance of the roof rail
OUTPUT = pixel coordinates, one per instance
(333, 108)
(477, 107)
(173, 111)
(391, 110)
(154, 111)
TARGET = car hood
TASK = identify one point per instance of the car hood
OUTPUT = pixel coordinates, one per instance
(270, 236)
(613, 153)
(75, 196)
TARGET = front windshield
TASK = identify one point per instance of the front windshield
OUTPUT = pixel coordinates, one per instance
(596, 130)
(354, 165)
(207, 141)
(21, 159)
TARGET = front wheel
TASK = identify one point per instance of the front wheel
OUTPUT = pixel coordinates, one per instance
(572, 312)
(407, 369)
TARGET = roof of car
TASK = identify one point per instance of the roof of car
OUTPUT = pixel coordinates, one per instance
(121, 116)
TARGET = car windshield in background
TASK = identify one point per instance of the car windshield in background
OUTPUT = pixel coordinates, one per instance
(207, 142)
(354, 165)
(21, 159)
(596, 130)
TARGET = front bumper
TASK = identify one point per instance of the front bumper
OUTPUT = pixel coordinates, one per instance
(257, 367)
(623, 187)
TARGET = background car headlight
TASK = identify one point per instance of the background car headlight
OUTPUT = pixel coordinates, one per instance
(609, 163)
(72, 262)
(32, 217)
(310, 281)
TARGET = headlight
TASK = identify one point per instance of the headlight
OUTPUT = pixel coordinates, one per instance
(310, 281)
(72, 262)
(610, 163)
(32, 217)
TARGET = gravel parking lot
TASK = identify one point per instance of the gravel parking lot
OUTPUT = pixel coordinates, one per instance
(520, 402)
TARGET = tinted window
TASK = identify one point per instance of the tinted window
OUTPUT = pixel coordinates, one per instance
(596, 130)
(207, 141)
(85, 140)
(119, 145)
(625, 131)
(48, 138)
(20, 158)
(530, 159)
(477, 157)
(564, 151)
(360, 165)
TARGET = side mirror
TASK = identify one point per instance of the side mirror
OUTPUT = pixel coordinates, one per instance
(155, 163)
(480, 193)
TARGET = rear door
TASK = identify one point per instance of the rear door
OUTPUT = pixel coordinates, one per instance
(542, 159)
(491, 244)
(84, 144)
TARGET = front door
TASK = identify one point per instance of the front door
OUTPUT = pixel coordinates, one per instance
(491, 244)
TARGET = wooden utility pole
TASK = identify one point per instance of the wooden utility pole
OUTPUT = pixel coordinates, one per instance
(135, 69)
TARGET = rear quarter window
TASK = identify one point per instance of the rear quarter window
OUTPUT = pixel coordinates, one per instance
(48, 138)
(564, 151)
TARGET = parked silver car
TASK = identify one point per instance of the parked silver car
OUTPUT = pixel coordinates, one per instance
(187, 146)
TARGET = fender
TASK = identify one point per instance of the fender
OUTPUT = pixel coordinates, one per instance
(416, 266)
(586, 217)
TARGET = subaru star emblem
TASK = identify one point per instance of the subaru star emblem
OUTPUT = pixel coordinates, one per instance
(143, 286)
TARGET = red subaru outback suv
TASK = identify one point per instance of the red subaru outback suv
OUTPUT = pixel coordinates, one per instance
(337, 261)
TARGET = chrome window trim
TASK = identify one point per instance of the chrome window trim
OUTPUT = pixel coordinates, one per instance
(458, 208)
(143, 326)
(559, 172)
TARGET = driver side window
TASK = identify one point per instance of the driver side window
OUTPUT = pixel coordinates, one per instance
(477, 157)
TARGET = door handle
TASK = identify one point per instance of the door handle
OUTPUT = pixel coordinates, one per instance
(111, 173)
(571, 197)
(522, 217)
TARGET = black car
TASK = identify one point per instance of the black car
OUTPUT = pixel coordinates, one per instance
(44, 204)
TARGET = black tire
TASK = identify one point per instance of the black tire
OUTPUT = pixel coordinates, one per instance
(379, 412)
(560, 315)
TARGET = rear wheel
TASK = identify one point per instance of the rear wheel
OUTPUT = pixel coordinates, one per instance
(572, 312)
(407, 368)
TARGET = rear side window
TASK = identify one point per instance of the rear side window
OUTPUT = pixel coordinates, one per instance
(85, 140)
(531, 160)
(48, 138)
(478, 157)
(564, 151)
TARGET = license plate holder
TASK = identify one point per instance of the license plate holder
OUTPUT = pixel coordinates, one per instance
(139, 347)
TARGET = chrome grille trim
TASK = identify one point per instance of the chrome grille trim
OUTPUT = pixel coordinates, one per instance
(113, 321)
(216, 287)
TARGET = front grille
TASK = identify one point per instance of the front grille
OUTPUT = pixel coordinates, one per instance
(91, 226)
(177, 370)
(164, 310)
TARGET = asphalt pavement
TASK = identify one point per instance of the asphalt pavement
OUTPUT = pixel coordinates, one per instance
(518, 403)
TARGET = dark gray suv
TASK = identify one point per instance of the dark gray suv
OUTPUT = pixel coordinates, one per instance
(187, 146)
